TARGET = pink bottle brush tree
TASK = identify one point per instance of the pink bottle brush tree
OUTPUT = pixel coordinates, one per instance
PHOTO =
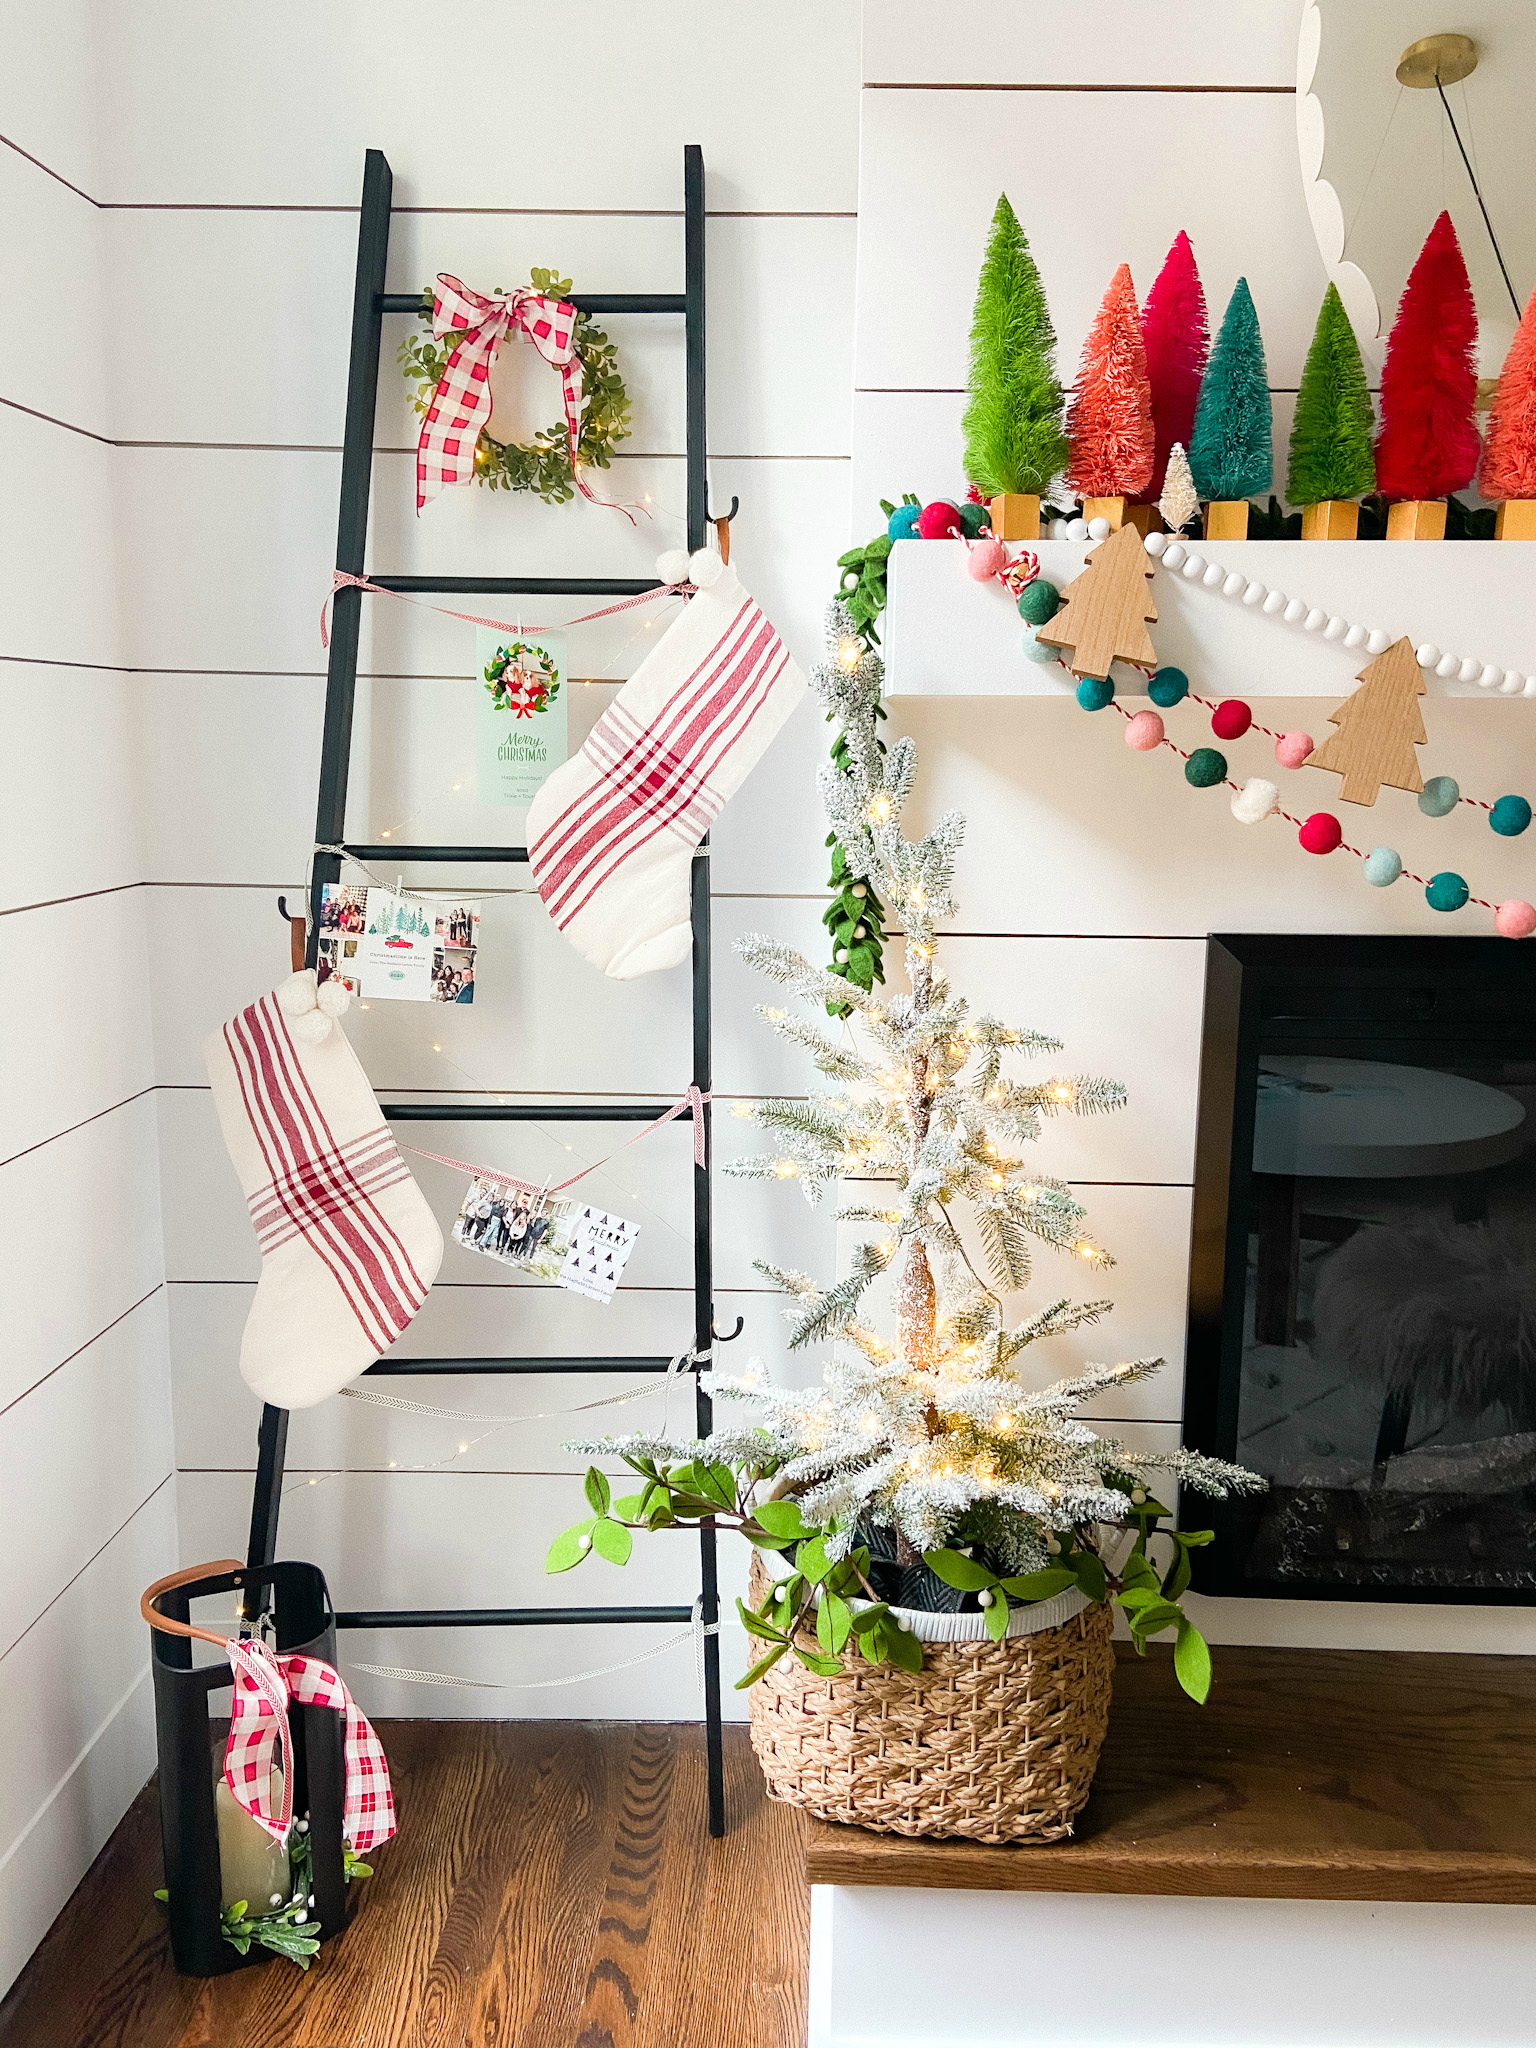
(1177, 338)
(1109, 426)
(1427, 446)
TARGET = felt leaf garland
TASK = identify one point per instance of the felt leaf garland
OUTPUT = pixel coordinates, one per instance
(1232, 452)
(1177, 340)
(1331, 436)
(1427, 447)
(1109, 427)
(1509, 453)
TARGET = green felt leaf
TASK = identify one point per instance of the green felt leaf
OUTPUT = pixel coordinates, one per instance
(756, 1624)
(996, 1616)
(780, 1518)
(1041, 1585)
(1088, 1570)
(1138, 1570)
(811, 1560)
(903, 1649)
(1153, 1618)
(613, 1541)
(597, 1491)
(1192, 1663)
(838, 1619)
(763, 1664)
(163, 1895)
(567, 1548)
(870, 1618)
(961, 1572)
(824, 1667)
(1177, 1581)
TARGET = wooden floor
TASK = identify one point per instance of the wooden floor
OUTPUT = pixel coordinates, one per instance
(552, 1887)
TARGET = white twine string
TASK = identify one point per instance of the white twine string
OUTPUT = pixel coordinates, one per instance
(697, 1630)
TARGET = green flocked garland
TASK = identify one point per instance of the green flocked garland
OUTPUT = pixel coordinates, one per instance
(544, 466)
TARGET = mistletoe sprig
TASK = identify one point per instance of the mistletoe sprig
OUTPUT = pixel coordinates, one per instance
(287, 1930)
(522, 679)
(544, 465)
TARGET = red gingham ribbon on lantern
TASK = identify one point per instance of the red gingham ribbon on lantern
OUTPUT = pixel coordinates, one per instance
(461, 404)
(258, 1720)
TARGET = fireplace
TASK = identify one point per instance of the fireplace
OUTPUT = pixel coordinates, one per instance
(1363, 1277)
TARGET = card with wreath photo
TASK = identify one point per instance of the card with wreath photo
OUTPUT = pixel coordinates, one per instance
(520, 713)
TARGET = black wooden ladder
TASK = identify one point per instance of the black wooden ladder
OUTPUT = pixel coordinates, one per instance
(370, 304)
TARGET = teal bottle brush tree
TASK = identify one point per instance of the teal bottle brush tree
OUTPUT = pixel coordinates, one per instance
(931, 1443)
(1231, 452)
(1015, 439)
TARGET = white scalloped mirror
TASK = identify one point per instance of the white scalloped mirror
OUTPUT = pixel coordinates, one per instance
(1379, 160)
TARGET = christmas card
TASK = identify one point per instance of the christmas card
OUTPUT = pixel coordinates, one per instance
(600, 1249)
(518, 1225)
(520, 713)
(391, 948)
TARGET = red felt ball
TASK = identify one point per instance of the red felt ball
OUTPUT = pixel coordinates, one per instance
(1229, 721)
(938, 521)
(1321, 833)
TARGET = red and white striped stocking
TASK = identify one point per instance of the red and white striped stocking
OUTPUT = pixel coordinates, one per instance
(611, 834)
(349, 1247)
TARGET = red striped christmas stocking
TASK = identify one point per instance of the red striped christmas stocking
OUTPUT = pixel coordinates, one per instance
(349, 1247)
(611, 834)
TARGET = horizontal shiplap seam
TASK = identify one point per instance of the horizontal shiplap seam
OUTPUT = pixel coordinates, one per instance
(43, 1380)
(959, 391)
(69, 1130)
(56, 902)
(954, 85)
(159, 1487)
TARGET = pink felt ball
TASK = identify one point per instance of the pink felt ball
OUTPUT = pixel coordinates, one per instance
(1321, 833)
(1144, 731)
(1292, 749)
(938, 521)
(1229, 721)
(1514, 919)
(985, 558)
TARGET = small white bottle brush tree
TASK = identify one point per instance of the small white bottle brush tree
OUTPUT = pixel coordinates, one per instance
(930, 1439)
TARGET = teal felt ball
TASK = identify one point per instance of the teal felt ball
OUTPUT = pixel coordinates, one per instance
(1094, 692)
(1038, 651)
(1039, 601)
(974, 519)
(1382, 867)
(1205, 767)
(902, 524)
(1510, 816)
(1167, 687)
(1446, 892)
(1441, 793)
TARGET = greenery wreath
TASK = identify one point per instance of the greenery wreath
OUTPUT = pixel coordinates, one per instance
(522, 679)
(544, 465)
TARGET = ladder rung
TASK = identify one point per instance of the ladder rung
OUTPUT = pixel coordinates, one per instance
(505, 1617)
(522, 586)
(386, 849)
(526, 1112)
(407, 1368)
(585, 302)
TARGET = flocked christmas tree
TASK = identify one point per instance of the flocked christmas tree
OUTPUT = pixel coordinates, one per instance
(1509, 452)
(1331, 434)
(1176, 337)
(1180, 502)
(1014, 441)
(1109, 426)
(1428, 446)
(933, 1434)
(1231, 454)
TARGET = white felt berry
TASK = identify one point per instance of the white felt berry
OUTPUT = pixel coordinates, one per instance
(1254, 801)
(860, 889)
(983, 1599)
(276, 1899)
(1469, 671)
(1058, 529)
(333, 997)
(705, 568)
(841, 956)
(859, 932)
(672, 565)
(1315, 620)
(1491, 674)
(297, 993)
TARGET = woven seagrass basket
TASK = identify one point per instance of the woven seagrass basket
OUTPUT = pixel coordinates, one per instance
(994, 1741)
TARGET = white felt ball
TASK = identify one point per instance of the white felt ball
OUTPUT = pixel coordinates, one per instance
(1058, 529)
(297, 993)
(1213, 576)
(1315, 620)
(1336, 628)
(1193, 566)
(1255, 592)
(1099, 529)
(1378, 640)
(1275, 602)
(1529, 689)
(860, 889)
(705, 568)
(1509, 688)
(312, 1028)
(1174, 554)
(1077, 529)
(672, 565)
(983, 1599)
(1355, 637)
(1295, 611)
(1254, 801)
(1469, 671)
(1447, 665)
(1232, 583)
(333, 997)
(841, 956)
(1491, 674)
(1155, 543)
(1426, 654)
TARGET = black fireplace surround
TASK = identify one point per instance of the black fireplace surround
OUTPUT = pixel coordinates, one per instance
(1362, 1296)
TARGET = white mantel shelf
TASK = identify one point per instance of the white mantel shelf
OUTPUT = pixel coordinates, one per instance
(945, 635)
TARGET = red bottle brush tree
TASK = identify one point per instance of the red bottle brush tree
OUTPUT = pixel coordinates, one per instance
(1509, 453)
(1427, 446)
(1177, 340)
(1109, 426)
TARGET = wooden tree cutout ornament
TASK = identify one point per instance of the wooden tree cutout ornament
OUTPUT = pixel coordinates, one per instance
(1101, 620)
(1379, 727)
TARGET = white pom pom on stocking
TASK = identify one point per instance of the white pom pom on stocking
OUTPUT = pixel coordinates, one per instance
(612, 833)
(349, 1247)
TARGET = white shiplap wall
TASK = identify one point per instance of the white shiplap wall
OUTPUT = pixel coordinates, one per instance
(85, 1422)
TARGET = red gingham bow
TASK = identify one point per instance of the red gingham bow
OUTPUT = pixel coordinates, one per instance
(264, 1684)
(461, 404)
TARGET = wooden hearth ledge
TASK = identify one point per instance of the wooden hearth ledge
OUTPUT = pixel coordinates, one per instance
(1310, 1774)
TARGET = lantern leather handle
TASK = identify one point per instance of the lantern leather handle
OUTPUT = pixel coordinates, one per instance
(163, 1622)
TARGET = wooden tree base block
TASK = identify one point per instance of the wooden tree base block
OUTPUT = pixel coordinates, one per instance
(1332, 519)
(1015, 516)
(1516, 520)
(1416, 519)
(1112, 509)
(1226, 519)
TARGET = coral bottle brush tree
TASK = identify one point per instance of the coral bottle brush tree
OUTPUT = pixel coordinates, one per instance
(1509, 453)
(931, 1443)
(1428, 446)
(1109, 426)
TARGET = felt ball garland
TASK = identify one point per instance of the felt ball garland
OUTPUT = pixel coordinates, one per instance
(1039, 602)
(1439, 796)
(1167, 687)
(1447, 891)
(1205, 768)
(1096, 693)
(1230, 720)
(1510, 816)
(938, 521)
(1383, 865)
(1143, 731)
(1322, 833)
